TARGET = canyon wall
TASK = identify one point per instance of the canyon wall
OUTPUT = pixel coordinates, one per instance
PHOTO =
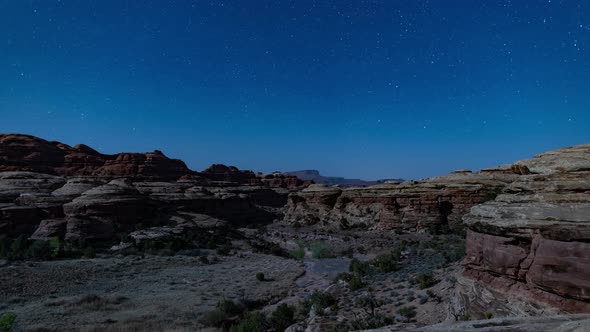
(534, 238)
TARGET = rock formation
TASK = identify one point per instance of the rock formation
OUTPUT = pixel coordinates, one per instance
(29, 153)
(532, 239)
(315, 176)
(411, 205)
(49, 189)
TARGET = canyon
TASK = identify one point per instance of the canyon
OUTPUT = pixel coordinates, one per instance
(504, 242)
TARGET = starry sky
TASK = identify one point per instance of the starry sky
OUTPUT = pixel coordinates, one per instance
(366, 89)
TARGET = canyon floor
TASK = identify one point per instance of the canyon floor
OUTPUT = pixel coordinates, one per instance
(137, 291)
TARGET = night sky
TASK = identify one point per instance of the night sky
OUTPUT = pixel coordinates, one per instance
(369, 89)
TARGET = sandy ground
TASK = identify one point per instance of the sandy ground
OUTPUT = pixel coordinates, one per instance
(170, 291)
(174, 293)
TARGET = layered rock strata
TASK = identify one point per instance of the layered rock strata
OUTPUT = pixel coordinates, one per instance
(534, 238)
(410, 205)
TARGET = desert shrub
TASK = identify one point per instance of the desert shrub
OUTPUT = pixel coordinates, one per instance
(407, 312)
(266, 247)
(93, 302)
(343, 276)
(348, 252)
(320, 250)
(464, 317)
(453, 254)
(18, 248)
(56, 247)
(39, 250)
(302, 309)
(386, 263)
(230, 307)
(371, 322)
(298, 253)
(488, 315)
(4, 247)
(425, 280)
(89, 252)
(260, 276)
(358, 267)
(204, 259)
(283, 317)
(322, 300)
(423, 299)
(215, 318)
(7, 321)
(224, 250)
(252, 322)
(355, 283)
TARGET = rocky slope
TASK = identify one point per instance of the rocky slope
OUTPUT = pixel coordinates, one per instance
(533, 239)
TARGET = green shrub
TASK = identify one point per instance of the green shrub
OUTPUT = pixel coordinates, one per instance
(56, 247)
(348, 252)
(252, 322)
(39, 250)
(343, 276)
(407, 312)
(322, 300)
(355, 283)
(464, 317)
(358, 267)
(386, 263)
(89, 252)
(371, 322)
(230, 307)
(4, 247)
(204, 259)
(260, 276)
(298, 253)
(7, 321)
(320, 250)
(425, 280)
(18, 248)
(488, 315)
(283, 317)
(215, 318)
(454, 254)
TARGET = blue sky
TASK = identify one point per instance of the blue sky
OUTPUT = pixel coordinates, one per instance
(368, 89)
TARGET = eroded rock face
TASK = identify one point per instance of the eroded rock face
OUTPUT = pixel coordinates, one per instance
(95, 209)
(29, 153)
(78, 194)
(411, 205)
(533, 238)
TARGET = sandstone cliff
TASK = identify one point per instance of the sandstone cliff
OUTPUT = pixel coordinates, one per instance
(410, 205)
(533, 239)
